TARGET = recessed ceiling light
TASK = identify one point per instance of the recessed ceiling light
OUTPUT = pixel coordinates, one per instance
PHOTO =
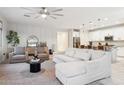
(106, 19)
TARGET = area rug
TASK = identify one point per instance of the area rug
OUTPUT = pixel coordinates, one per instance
(19, 74)
(28, 74)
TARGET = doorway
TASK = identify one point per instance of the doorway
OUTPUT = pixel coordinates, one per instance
(62, 41)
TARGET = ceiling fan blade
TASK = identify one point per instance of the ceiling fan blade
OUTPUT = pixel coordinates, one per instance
(57, 10)
(58, 14)
(37, 17)
(27, 15)
(53, 17)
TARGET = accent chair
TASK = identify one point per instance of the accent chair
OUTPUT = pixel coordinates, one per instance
(18, 55)
(42, 53)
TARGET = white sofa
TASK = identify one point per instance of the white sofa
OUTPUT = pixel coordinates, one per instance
(114, 54)
(82, 66)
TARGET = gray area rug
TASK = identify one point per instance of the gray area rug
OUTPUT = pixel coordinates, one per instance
(19, 74)
(27, 74)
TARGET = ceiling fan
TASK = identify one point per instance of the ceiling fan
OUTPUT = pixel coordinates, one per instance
(42, 12)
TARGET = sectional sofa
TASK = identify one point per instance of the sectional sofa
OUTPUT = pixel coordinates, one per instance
(82, 66)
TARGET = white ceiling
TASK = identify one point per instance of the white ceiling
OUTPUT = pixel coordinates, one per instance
(73, 17)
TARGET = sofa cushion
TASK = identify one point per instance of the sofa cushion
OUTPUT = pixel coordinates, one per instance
(65, 58)
(82, 56)
(97, 54)
(71, 69)
(69, 52)
(19, 50)
(42, 49)
(43, 55)
(19, 57)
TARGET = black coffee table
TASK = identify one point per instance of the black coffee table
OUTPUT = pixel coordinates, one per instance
(35, 66)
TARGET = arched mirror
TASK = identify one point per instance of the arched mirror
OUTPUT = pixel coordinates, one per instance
(32, 41)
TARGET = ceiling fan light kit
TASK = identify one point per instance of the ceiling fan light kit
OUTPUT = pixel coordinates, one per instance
(44, 15)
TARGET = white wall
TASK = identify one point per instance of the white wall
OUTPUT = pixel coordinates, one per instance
(44, 33)
(4, 41)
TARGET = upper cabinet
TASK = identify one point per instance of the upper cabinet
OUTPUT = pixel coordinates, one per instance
(99, 35)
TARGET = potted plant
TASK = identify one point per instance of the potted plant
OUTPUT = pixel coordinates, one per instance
(13, 38)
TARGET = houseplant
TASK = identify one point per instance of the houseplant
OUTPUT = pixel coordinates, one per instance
(13, 38)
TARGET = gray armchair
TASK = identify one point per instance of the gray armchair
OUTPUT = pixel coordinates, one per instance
(18, 55)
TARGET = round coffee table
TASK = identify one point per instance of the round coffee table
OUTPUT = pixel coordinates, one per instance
(35, 65)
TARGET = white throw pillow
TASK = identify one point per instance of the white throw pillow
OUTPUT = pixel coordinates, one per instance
(69, 53)
(82, 55)
(97, 54)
